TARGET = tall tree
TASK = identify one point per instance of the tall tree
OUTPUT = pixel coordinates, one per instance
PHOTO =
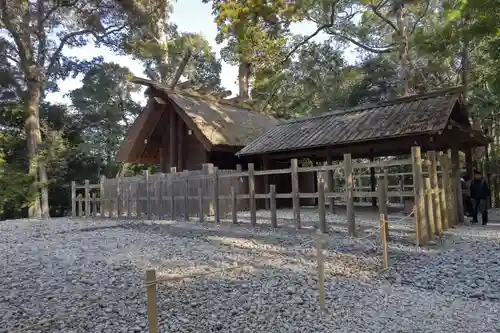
(33, 36)
(105, 110)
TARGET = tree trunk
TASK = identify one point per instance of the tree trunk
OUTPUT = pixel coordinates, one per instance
(33, 139)
(403, 39)
(44, 189)
(244, 80)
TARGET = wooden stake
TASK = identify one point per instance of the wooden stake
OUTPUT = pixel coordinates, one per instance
(251, 194)
(148, 194)
(382, 206)
(234, 208)
(87, 198)
(295, 192)
(173, 171)
(94, 205)
(349, 195)
(436, 203)
(73, 199)
(216, 195)
(101, 196)
(79, 204)
(444, 197)
(429, 208)
(119, 197)
(201, 214)
(321, 270)
(385, 241)
(186, 195)
(418, 188)
(129, 201)
(152, 302)
(272, 204)
(321, 204)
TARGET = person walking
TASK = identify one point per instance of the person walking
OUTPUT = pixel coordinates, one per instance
(479, 193)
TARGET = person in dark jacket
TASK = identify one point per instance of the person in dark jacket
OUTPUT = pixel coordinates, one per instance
(479, 193)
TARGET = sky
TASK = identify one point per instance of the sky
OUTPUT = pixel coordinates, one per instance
(190, 16)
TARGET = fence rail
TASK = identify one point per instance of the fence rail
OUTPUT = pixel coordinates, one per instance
(425, 183)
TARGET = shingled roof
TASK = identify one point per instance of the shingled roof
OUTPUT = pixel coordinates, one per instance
(402, 117)
(221, 122)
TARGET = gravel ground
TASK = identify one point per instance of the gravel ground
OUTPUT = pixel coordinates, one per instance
(76, 275)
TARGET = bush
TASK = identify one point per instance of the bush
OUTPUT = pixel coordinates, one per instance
(15, 193)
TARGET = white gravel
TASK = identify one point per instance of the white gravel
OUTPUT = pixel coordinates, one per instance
(76, 275)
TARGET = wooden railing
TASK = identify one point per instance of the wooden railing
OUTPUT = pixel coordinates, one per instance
(222, 193)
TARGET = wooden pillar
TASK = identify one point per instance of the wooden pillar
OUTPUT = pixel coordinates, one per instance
(349, 195)
(329, 183)
(265, 166)
(455, 180)
(373, 182)
(172, 150)
(418, 189)
(180, 143)
(434, 185)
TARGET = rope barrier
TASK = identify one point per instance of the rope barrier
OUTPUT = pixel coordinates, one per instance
(190, 276)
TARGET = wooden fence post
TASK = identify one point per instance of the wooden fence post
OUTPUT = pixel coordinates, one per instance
(102, 199)
(330, 183)
(173, 171)
(234, 208)
(382, 205)
(161, 203)
(129, 200)
(216, 195)
(94, 205)
(418, 189)
(321, 204)
(295, 192)
(152, 302)
(431, 226)
(148, 194)
(384, 238)
(119, 196)
(251, 194)
(272, 204)
(87, 198)
(321, 271)
(200, 205)
(79, 204)
(445, 199)
(73, 199)
(186, 195)
(349, 195)
(431, 156)
(239, 185)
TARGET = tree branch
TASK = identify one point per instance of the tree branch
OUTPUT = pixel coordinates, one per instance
(307, 39)
(64, 40)
(379, 50)
(375, 11)
(420, 17)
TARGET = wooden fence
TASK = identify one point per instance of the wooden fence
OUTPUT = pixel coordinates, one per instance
(426, 182)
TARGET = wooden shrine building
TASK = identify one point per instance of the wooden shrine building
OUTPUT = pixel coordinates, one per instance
(185, 129)
(434, 121)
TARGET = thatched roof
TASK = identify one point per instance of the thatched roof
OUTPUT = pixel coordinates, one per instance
(221, 122)
(217, 123)
(404, 117)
